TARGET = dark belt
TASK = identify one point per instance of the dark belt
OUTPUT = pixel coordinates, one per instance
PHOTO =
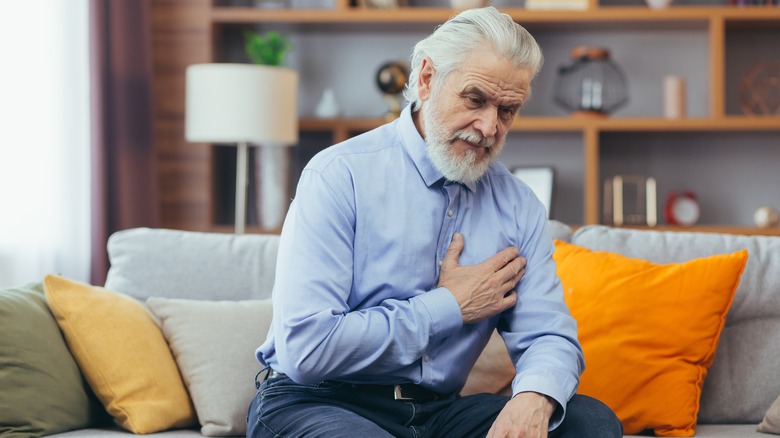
(407, 391)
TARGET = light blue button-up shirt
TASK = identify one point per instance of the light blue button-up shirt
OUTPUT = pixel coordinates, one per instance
(355, 297)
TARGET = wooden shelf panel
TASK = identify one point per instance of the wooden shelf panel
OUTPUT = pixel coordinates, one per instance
(238, 15)
(557, 124)
(690, 124)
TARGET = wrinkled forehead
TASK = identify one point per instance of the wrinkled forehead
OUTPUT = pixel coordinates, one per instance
(493, 76)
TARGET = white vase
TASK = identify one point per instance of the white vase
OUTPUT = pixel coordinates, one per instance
(328, 107)
(658, 4)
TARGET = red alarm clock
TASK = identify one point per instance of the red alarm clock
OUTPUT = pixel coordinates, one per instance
(681, 208)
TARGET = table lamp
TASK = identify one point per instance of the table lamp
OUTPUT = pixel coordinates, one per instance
(243, 104)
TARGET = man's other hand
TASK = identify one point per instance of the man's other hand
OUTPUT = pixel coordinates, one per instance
(482, 290)
(526, 415)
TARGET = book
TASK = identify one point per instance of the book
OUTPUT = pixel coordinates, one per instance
(556, 4)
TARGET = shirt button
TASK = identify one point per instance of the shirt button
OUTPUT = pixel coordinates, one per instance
(440, 262)
(426, 358)
(449, 213)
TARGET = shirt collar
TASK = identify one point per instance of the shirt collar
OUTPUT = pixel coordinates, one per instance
(417, 150)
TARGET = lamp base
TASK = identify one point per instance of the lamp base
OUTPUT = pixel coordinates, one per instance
(241, 182)
(272, 171)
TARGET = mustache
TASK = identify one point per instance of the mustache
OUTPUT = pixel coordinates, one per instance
(474, 137)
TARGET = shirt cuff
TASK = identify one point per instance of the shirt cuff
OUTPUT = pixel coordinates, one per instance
(549, 387)
(444, 310)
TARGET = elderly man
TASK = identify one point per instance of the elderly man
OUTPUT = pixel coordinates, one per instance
(402, 251)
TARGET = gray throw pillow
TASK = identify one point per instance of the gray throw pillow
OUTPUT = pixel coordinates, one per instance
(42, 391)
(214, 345)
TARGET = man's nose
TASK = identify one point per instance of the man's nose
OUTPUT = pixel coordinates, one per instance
(487, 121)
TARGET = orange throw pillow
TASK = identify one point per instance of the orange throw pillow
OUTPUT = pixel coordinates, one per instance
(648, 331)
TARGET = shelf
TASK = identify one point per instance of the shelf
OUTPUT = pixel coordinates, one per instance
(238, 15)
(556, 124)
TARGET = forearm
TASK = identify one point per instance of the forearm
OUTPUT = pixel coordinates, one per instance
(376, 340)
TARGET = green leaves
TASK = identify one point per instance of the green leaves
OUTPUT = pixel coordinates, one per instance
(268, 49)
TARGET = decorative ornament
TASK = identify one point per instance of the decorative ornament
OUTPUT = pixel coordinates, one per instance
(328, 107)
(759, 91)
(391, 79)
(674, 97)
(681, 209)
(630, 200)
(658, 4)
(592, 85)
(766, 217)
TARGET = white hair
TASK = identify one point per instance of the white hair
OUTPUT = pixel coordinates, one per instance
(473, 29)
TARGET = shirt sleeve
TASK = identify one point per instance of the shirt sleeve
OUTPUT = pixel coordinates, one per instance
(317, 334)
(539, 331)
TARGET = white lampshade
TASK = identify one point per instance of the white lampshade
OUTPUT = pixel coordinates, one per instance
(232, 103)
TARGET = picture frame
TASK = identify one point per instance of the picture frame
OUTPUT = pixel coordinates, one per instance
(541, 180)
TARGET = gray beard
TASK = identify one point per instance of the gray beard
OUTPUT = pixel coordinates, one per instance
(463, 170)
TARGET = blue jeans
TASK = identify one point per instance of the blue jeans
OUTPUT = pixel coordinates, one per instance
(283, 408)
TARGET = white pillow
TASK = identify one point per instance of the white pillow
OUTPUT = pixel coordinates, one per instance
(214, 345)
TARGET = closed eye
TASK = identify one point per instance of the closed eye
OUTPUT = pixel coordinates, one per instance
(508, 112)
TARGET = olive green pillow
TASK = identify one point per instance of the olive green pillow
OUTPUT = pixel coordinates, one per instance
(42, 391)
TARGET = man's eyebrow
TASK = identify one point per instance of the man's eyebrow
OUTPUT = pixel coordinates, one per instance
(473, 89)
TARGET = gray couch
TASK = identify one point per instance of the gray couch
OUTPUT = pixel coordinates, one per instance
(742, 383)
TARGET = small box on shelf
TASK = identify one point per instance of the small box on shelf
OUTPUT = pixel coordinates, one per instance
(557, 4)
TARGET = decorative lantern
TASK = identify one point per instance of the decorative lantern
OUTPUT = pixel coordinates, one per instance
(592, 85)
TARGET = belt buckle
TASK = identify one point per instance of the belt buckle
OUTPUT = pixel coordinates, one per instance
(398, 393)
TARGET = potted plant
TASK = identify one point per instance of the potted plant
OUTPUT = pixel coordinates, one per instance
(269, 49)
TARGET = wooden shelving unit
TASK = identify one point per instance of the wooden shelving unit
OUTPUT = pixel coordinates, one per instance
(607, 14)
(715, 21)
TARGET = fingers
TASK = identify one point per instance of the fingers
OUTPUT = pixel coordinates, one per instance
(454, 251)
(513, 271)
(502, 259)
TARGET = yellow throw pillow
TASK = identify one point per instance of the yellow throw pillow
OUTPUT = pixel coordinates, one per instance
(122, 354)
(648, 331)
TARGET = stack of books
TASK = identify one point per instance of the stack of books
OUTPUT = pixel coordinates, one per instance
(556, 4)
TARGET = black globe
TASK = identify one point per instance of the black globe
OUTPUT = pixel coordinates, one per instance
(391, 77)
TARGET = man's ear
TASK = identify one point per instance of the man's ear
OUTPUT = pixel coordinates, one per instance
(425, 80)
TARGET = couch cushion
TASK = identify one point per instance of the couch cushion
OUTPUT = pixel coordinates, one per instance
(648, 331)
(742, 382)
(214, 344)
(185, 264)
(41, 389)
(771, 421)
(560, 231)
(122, 354)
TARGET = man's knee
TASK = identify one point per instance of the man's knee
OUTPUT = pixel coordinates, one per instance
(588, 417)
